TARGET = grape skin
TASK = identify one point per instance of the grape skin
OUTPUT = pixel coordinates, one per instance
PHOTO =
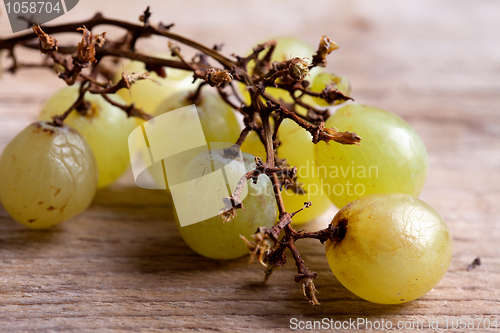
(391, 157)
(214, 239)
(48, 174)
(297, 147)
(395, 248)
(106, 128)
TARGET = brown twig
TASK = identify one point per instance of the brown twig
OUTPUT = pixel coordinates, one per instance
(289, 75)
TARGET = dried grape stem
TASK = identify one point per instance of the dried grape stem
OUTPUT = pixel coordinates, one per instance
(288, 75)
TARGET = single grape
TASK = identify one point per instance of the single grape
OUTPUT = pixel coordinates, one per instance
(389, 248)
(212, 237)
(148, 94)
(48, 174)
(105, 127)
(297, 147)
(217, 119)
(391, 157)
(328, 79)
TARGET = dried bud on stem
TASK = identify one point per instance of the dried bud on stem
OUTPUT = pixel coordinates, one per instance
(334, 96)
(217, 77)
(86, 50)
(134, 77)
(300, 68)
(260, 247)
(47, 43)
(326, 46)
(310, 291)
(329, 134)
(231, 204)
(145, 17)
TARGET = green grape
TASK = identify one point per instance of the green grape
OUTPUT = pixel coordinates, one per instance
(48, 174)
(105, 127)
(286, 48)
(217, 119)
(336, 81)
(391, 157)
(212, 237)
(390, 248)
(297, 147)
(148, 94)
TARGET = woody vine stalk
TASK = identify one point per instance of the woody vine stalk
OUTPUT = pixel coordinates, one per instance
(82, 63)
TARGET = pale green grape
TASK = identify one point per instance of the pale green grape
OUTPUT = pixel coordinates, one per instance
(105, 127)
(48, 174)
(217, 119)
(336, 81)
(297, 147)
(391, 157)
(391, 248)
(212, 237)
(148, 94)
(286, 48)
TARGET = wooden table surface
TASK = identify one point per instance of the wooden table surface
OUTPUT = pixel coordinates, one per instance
(122, 266)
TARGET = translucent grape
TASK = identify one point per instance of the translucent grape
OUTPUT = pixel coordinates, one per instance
(148, 94)
(391, 248)
(217, 119)
(214, 239)
(391, 157)
(297, 147)
(105, 127)
(48, 174)
(336, 81)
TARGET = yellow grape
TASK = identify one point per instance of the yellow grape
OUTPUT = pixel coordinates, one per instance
(48, 174)
(297, 147)
(389, 248)
(212, 237)
(391, 157)
(105, 127)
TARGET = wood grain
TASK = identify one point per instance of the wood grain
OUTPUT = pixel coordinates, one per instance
(122, 266)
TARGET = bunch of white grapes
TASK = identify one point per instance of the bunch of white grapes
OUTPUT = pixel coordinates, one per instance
(390, 247)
